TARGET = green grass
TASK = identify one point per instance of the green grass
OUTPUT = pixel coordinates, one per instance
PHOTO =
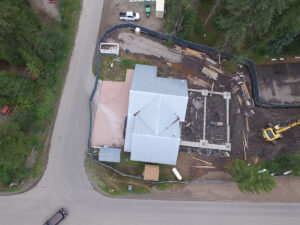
(123, 190)
(112, 183)
(163, 186)
(114, 68)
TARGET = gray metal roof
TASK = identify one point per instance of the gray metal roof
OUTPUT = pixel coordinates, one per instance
(109, 154)
(156, 107)
(143, 81)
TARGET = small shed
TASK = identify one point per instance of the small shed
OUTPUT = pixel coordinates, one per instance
(107, 154)
(151, 172)
(160, 8)
(110, 48)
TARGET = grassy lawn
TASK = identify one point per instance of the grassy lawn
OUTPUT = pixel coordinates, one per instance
(115, 184)
(114, 67)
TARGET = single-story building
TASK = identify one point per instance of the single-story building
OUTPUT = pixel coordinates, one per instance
(157, 106)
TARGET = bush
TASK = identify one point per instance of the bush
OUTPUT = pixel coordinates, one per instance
(10, 84)
(283, 163)
(14, 149)
(249, 179)
(169, 42)
(199, 29)
(230, 66)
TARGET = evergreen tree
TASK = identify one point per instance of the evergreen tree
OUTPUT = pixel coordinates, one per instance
(250, 177)
(253, 20)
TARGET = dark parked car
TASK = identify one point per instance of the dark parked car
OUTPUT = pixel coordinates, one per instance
(57, 217)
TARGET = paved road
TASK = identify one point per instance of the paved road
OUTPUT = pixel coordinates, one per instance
(65, 182)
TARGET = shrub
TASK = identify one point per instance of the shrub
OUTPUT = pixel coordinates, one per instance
(249, 178)
(169, 42)
(284, 163)
(230, 66)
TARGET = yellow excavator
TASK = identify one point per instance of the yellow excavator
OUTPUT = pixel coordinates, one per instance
(272, 133)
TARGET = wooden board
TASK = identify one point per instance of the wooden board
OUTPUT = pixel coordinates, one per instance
(209, 73)
(246, 90)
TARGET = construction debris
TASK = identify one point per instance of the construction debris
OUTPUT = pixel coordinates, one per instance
(216, 69)
(211, 61)
(197, 103)
(151, 172)
(192, 52)
(245, 139)
(247, 124)
(212, 88)
(189, 52)
(216, 123)
(211, 74)
(197, 81)
(205, 167)
(240, 100)
(245, 154)
(235, 89)
(208, 163)
(245, 89)
(177, 174)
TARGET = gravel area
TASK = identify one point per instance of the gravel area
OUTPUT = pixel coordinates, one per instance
(144, 45)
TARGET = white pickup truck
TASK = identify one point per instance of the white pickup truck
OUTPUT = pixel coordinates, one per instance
(129, 16)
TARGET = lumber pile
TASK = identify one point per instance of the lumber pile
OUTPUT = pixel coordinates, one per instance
(197, 81)
(194, 53)
(189, 52)
(209, 73)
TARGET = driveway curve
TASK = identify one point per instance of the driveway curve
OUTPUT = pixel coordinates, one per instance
(65, 182)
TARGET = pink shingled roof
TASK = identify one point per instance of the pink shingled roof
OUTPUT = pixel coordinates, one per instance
(111, 112)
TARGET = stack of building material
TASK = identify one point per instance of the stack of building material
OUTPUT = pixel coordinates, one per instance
(194, 53)
(210, 73)
(151, 172)
(189, 52)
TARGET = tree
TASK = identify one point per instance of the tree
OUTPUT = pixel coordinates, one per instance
(14, 149)
(10, 83)
(250, 20)
(188, 23)
(24, 41)
(181, 17)
(250, 177)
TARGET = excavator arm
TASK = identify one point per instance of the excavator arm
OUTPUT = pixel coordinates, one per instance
(282, 129)
(271, 134)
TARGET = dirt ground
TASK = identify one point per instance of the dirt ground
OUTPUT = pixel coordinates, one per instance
(241, 131)
(286, 190)
(279, 83)
(246, 121)
(146, 46)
